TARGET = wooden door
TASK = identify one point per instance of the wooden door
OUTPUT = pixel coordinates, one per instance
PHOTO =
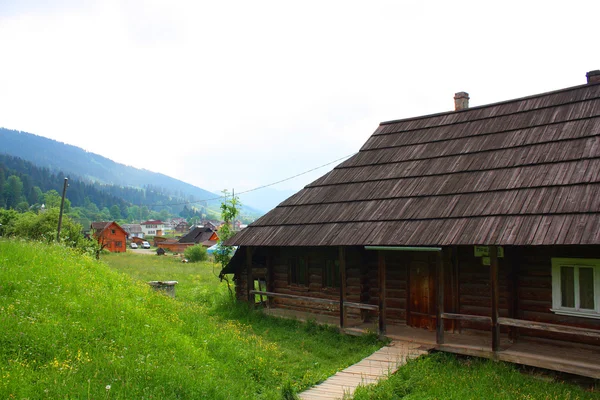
(421, 301)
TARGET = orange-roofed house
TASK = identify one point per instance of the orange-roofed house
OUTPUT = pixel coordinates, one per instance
(110, 235)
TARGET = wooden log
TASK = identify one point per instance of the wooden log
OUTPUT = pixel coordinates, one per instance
(361, 306)
(495, 297)
(349, 304)
(297, 297)
(543, 326)
(465, 317)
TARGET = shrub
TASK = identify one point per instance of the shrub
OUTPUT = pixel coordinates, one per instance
(43, 226)
(196, 253)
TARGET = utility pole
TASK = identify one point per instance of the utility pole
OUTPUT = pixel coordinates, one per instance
(62, 205)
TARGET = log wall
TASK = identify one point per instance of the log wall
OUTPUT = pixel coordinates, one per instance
(535, 291)
(316, 257)
(475, 290)
(396, 263)
(525, 284)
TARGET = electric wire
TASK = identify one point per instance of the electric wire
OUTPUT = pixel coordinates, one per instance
(251, 190)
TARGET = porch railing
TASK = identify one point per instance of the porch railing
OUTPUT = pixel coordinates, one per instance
(521, 323)
(346, 304)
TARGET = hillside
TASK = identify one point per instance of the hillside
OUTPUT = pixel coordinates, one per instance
(32, 176)
(94, 168)
(74, 328)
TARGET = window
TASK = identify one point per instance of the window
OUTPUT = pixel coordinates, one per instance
(331, 274)
(298, 271)
(112, 231)
(119, 244)
(576, 287)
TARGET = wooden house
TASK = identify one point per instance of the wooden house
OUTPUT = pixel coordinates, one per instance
(182, 227)
(138, 240)
(476, 231)
(205, 236)
(110, 235)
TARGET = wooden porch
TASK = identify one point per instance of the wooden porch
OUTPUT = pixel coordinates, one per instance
(556, 355)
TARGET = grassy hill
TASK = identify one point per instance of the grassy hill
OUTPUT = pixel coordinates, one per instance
(72, 327)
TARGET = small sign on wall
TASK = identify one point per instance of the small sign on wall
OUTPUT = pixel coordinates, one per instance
(484, 251)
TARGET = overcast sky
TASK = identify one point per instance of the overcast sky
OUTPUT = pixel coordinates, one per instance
(238, 94)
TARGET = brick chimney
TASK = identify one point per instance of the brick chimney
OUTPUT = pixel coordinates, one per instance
(593, 76)
(461, 101)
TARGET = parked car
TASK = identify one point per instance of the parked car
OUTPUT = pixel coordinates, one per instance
(133, 245)
(145, 245)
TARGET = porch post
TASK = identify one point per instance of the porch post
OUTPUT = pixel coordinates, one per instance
(382, 294)
(513, 255)
(270, 275)
(249, 278)
(342, 259)
(495, 297)
(439, 337)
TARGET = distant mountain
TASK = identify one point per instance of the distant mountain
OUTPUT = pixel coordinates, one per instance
(57, 156)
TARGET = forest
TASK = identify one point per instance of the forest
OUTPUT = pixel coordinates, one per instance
(26, 187)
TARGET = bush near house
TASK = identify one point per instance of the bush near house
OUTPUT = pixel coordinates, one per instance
(196, 253)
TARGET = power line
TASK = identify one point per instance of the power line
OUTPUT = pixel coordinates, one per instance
(256, 188)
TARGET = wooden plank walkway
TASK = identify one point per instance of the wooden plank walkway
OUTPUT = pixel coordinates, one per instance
(378, 365)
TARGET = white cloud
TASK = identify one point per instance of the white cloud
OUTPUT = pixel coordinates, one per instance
(237, 94)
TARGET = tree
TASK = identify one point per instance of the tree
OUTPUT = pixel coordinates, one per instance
(22, 207)
(13, 190)
(230, 209)
(133, 213)
(163, 215)
(145, 213)
(104, 214)
(36, 196)
(52, 199)
(115, 212)
(2, 181)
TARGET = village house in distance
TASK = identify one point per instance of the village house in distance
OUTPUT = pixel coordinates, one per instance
(475, 231)
(110, 236)
(153, 227)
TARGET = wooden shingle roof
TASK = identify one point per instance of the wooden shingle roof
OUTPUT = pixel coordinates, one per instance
(197, 235)
(519, 172)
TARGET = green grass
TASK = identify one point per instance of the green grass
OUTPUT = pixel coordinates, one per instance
(445, 376)
(71, 327)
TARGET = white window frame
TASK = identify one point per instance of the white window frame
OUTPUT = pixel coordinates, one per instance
(557, 307)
